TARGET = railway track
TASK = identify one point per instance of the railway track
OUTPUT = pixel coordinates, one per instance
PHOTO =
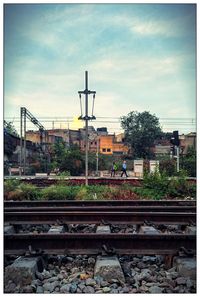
(98, 243)
(94, 217)
(102, 208)
(93, 203)
(134, 212)
(65, 212)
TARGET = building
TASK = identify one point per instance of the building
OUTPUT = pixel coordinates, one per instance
(164, 147)
(50, 137)
(187, 140)
(109, 145)
(98, 140)
(102, 131)
(12, 151)
(160, 150)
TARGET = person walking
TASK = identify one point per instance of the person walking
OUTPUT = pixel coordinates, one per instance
(113, 169)
(124, 169)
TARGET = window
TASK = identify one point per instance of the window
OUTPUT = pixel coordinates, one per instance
(104, 150)
(108, 150)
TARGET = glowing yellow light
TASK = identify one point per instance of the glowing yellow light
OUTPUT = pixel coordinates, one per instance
(76, 124)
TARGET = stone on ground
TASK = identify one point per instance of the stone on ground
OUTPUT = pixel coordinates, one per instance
(56, 229)
(186, 267)
(22, 271)
(148, 230)
(9, 229)
(109, 268)
(103, 229)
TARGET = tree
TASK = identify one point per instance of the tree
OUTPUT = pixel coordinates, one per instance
(9, 128)
(72, 161)
(188, 162)
(141, 130)
(67, 159)
(57, 153)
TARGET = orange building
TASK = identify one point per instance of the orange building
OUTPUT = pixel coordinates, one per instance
(109, 145)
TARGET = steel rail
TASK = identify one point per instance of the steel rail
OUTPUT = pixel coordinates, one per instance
(98, 243)
(63, 203)
(68, 217)
(127, 208)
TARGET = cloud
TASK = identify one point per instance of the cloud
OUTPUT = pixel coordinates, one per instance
(131, 62)
(136, 69)
(153, 28)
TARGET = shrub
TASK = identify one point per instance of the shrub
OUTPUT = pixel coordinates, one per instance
(163, 186)
(180, 186)
(82, 193)
(15, 190)
(59, 192)
(11, 184)
(190, 165)
(155, 180)
(16, 194)
(29, 192)
(168, 166)
(92, 192)
(149, 193)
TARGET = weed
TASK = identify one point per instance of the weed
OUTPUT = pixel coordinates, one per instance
(11, 184)
(59, 192)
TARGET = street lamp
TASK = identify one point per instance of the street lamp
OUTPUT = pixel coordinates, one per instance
(86, 118)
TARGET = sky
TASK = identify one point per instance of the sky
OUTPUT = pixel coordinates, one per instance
(139, 57)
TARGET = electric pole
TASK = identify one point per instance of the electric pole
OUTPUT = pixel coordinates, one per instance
(24, 113)
(97, 164)
(177, 158)
(86, 118)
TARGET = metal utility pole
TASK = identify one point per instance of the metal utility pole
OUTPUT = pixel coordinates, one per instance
(20, 171)
(97, 165)
(177, 158)
(24, 166)
(24, 113)
(86, 118)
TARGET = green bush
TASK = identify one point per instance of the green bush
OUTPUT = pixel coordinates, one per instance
(92, 192)
(59, 192)
(101, 192)
(82, 193)
(149, 193)
(16, 190)
(180, 186)
(29, 192)
(11, 185)
(190, 165)
(163, 186)
(168, 167)
(156, 180)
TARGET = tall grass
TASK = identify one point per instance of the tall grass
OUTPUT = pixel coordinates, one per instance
(155, 186)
